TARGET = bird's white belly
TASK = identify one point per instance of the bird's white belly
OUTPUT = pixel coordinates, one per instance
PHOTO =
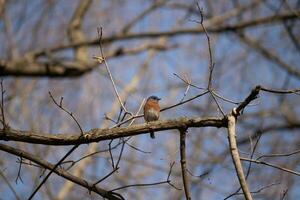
(152, 115)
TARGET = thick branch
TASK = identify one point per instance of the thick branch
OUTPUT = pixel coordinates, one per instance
(236, 157)
(31, 67)
(59, 172)
(176, 32)
(75, 32)
(292, 70)
(253, 95)
(269, 129)
(96, 135)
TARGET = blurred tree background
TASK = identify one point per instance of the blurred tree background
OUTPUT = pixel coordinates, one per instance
(48, 45)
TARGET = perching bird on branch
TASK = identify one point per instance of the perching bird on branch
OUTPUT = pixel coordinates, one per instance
(151, 111)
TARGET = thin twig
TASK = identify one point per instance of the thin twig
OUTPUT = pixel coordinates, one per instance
(138, 111)
(271, 165)
(151, 184)
(291, 91)
(211, 64)
(184, 175)
(254, 94)
(4, 125)
(248, 170)
(105, 177)
(29, 163)
(252, 154)
(188, 82)
(19, 171)
(122, 139)
(121, 152)
(136, 148)
(120, 113)
(264, 187)
(169, 175)
(110, 154)
(106, 117)
(67, 154)
(278, 154)
(143, 14)
(139, 185)
(88, 155)
(183, 102)
(284, 193)
(9, 185)
(60, 105)
(185, 93)
(198, 176)
(60, 172)
(102, 59)
(260, 189)
(219, 106)
(224, 99)
(52, 170)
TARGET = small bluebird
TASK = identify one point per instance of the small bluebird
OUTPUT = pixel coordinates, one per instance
(151, 111)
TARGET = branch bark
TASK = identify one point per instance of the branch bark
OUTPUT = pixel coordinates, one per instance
(75, 33)
(30, 66)
(60, 172)
(185, 179)
(96, 135)
(176, 32)
(235, 155)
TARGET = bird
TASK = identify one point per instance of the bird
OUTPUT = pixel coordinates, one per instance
(151, 111)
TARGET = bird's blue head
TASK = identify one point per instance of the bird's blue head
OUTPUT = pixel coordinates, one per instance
(155, 98)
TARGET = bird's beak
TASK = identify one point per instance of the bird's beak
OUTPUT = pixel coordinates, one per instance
(159, 99)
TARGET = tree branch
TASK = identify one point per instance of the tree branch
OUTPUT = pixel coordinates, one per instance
(235, 155)
(185, 179)
(75, 32)
(271, 165)
(60, 172)
(269, 55)
(176, 32)
(96, 135)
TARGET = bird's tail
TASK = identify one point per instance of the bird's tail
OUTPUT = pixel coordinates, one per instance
(152, 134)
